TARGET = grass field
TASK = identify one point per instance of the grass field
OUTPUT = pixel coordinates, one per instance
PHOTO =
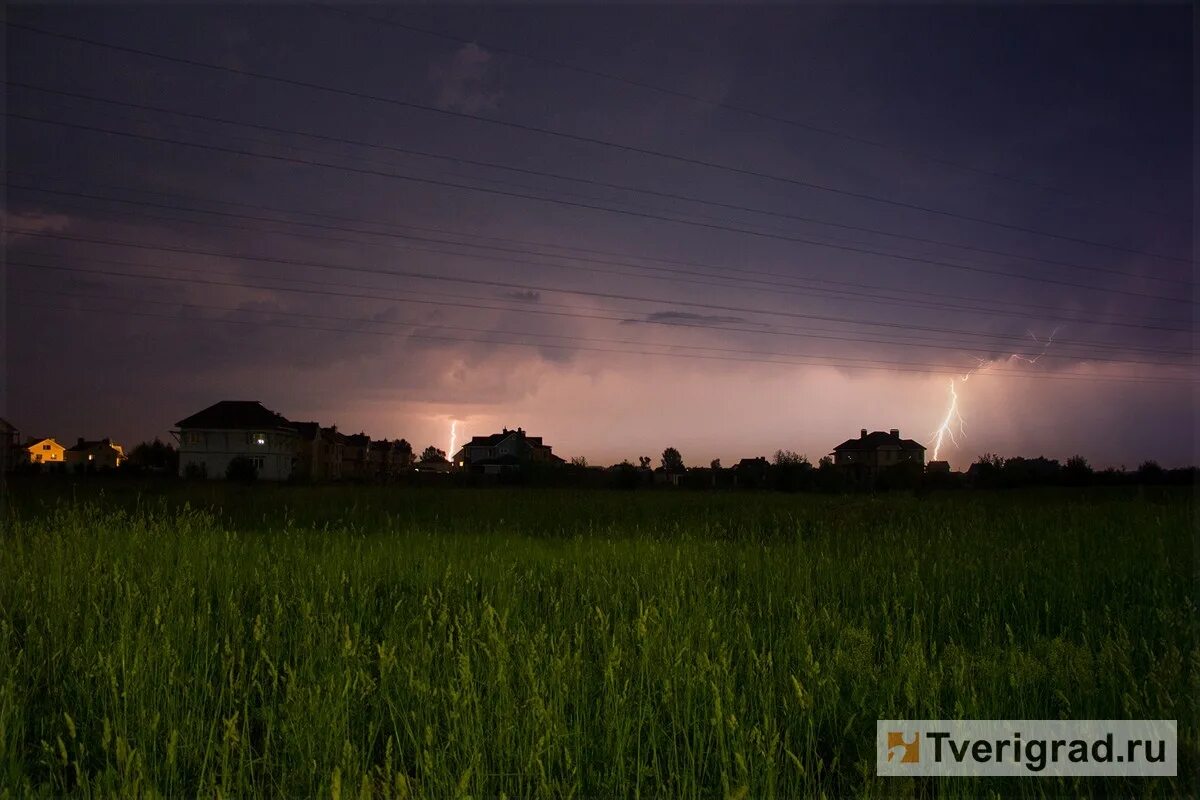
(347, 642)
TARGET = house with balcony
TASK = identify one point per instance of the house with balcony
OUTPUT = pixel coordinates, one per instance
(210, 439)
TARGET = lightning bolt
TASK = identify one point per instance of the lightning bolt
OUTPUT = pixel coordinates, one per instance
(954, 418)
(453, 438)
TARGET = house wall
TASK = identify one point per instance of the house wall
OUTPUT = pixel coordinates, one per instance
(214, 449)
(102, 456)
(47, 451)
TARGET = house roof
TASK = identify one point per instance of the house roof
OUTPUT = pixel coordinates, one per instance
(39, 439)
(84, 445)
(496, 438)
(307, 430)
(237, 415)
(358, 440)
(877, 440)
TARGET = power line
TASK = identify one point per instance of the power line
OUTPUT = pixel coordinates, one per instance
(375, 296)
(590, 182)
(574, 204)
(775, 287)
(589, 140)
(555, 245)
(726, 106)
(571, 311)
(880, 365)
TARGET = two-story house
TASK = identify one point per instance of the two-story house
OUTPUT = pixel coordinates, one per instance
(872, 452)
(210, 439)
(96, 455)
(44, 451)
(506, 451)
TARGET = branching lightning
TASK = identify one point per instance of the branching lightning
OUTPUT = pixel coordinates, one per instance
(954, 418)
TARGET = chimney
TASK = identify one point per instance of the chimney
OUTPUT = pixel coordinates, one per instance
(895, 433)
(79, 442)
(862, 434)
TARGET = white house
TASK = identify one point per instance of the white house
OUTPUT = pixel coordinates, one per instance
(210, 439)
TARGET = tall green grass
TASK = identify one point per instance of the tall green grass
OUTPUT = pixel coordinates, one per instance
(356, 642)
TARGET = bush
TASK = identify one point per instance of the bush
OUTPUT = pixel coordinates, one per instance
(241, 469)
(195, 472)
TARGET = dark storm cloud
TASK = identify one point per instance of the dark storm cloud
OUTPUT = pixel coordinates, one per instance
(467, 80)
(1007, 91)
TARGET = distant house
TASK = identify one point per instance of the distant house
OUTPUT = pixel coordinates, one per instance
(335, 445)
(354, 456)
(210, 439)
(319, 457)
(388, 459)
(44, 451)
(871, 452)
(10, 438)
(751, 473)
(506, 451)
(96, 455)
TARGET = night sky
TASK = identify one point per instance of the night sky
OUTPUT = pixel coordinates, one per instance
(767, 228)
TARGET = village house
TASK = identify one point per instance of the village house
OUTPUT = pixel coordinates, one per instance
(210, 439)
(354, 456)
(506, 451)
(387, 459)
(319, 457)
(9, 440)
(44, 451)
(872, 452)
(95, 455)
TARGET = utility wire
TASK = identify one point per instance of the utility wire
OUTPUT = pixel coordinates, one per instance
(757, 113)
(690, 276)
(540, 305)
(574, 204)
(588, 140)
(590, 182)
(375, 296)
(878, 366)
(474, 235)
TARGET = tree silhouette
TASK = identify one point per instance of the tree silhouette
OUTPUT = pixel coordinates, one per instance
(644, 462)
(672, 461)
(714, 464)
(432, 453)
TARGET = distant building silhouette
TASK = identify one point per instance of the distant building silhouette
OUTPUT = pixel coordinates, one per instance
(10, 438)
(506, 451)
(873, 452)
(354, 456)
(96, 455)
(210, 439)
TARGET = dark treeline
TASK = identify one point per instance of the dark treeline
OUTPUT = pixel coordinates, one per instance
(786, 471)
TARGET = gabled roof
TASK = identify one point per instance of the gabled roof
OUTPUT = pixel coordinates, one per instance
(84, 445)
(236, 415)
(39, 439)
(877, 440)
(358, 440)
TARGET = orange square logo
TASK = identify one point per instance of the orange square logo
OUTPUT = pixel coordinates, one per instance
(909, 752)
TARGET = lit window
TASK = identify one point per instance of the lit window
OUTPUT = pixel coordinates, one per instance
(259, 439)
(91, 457)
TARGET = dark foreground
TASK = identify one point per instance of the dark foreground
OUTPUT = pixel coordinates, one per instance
(343, 641)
